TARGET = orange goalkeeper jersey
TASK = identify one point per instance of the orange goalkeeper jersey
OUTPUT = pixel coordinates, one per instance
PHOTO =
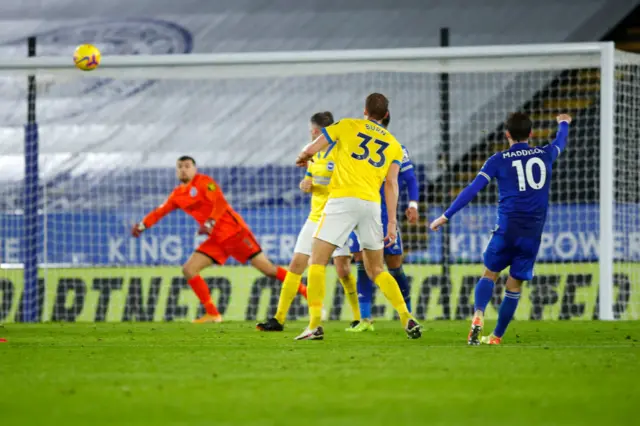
(201, 199)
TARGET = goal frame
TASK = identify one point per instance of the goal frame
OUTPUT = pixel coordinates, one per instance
(437, 60)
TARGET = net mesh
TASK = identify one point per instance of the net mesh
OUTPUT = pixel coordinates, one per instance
(107, 149)
(627, 187)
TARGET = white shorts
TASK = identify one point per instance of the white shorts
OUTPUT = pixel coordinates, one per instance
(343, 215)
(305, 241)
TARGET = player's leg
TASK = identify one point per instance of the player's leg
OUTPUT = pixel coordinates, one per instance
(364, 286)
(373, 262)
(342, 262)
(526, 250)
(244, 246)
(394, 265)
(482, 297)
(497, 256)
(507, 310)
(393, 257)
(316, 288)
(290, 287)
(291, 283)
(206, 255)
(337, 222)
(369, 231)
(262, 263)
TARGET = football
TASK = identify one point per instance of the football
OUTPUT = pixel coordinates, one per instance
(86, 57)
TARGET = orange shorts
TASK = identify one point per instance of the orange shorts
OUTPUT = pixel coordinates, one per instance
(242, 247)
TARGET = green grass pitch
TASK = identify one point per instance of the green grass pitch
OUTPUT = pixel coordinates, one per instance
(546, 373)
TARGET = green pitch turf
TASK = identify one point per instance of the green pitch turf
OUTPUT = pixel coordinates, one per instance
(547, 373)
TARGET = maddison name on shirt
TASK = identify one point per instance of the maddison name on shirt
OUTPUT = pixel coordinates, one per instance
(522, 153)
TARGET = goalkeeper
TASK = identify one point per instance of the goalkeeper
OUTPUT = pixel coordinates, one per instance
(318, 176)
(200, 197)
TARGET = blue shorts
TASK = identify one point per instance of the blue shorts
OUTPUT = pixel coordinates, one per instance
(396, 249)
(518, 252)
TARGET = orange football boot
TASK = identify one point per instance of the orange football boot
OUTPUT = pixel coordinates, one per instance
(476, 330)
(206, 318)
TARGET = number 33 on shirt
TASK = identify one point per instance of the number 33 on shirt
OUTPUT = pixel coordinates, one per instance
(364, 152)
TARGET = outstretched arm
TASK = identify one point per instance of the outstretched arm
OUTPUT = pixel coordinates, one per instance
(467, 194)
(154, 217)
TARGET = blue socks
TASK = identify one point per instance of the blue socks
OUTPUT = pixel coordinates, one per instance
(483, 293)
(403, 283)
(365, 292)
(505, 314)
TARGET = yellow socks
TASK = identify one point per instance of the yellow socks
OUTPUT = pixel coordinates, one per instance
(351, 293)
(287, 294)
(391, 291)
(316, 288)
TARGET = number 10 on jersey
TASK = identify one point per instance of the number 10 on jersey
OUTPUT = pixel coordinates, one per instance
(527, 171)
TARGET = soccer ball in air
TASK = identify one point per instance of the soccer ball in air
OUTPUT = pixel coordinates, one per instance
(86, 57)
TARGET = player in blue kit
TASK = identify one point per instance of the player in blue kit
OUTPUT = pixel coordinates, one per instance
(523, 173)
(393, 255)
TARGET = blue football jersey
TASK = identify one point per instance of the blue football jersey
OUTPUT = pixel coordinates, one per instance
(523, 173)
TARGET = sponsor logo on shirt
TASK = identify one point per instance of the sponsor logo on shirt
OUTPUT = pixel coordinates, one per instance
(193, 191)
(405, 155)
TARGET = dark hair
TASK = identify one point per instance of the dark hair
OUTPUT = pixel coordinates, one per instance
(322, 119)
(377, 106)
(187, 158)
(519, 126)
(385, 121)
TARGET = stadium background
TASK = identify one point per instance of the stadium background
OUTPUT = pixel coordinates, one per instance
(103, 164)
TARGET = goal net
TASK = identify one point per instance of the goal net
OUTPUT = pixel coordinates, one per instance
(107, 142)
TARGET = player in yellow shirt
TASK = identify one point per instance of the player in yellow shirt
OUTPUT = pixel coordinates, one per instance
(365, 155)
(319, 172)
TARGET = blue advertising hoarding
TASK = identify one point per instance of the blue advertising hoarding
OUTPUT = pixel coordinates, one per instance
(103, 238)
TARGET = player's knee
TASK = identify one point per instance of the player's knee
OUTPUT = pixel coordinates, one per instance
(298, 264)
(493, 276)
(374, 270)
(189, 271)
(343, 269)
(513, 284)
(393, 261)
(264, 265)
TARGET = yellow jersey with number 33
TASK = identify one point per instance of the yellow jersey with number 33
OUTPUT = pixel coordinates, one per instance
(362, 151)
(320, 171)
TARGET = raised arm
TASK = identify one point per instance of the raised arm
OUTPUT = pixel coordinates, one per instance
(391, 193)
(560, 142)
(154, 217)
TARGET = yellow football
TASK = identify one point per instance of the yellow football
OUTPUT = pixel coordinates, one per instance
(86, 57)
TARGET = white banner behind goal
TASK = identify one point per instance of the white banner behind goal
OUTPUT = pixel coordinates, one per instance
(108, 141)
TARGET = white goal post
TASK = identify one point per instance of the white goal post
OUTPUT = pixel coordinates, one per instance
(502, 79)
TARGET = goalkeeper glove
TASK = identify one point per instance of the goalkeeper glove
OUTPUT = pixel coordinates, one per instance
(137, 229)
(207, 227)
